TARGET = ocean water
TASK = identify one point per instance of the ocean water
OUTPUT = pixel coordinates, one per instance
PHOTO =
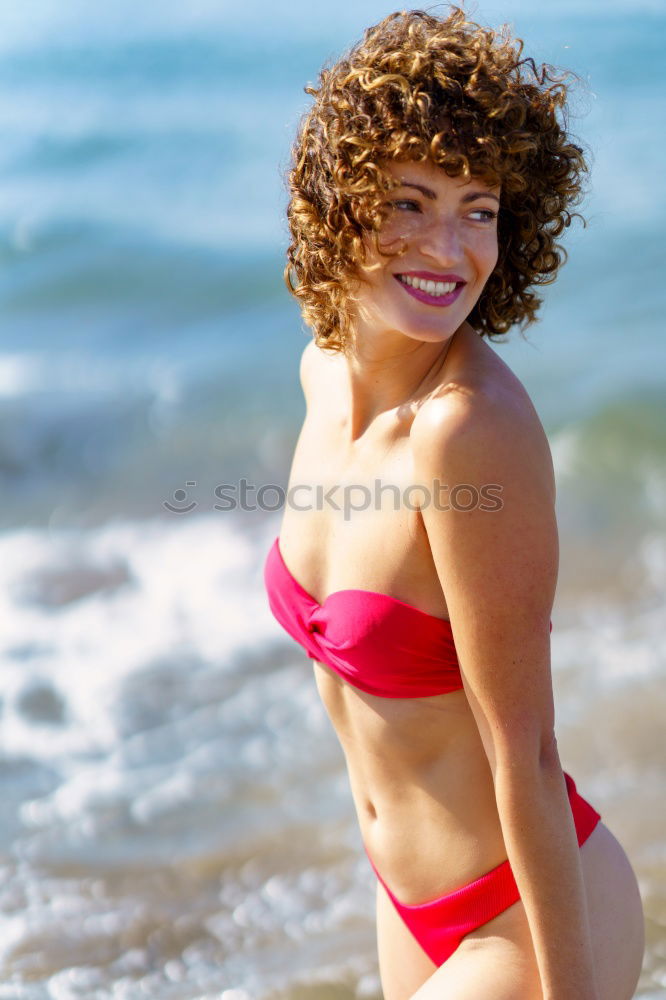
(176, 817)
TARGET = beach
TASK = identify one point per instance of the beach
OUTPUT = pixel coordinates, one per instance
(177, 820)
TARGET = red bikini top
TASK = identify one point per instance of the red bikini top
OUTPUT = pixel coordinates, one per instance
(375, 642)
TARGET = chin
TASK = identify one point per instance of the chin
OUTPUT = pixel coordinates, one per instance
(438, 326)
(430, 332)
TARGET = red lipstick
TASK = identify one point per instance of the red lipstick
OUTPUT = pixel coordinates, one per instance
(426, 297)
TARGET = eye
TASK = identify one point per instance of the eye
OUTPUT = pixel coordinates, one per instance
(489, 215)
(406, 204)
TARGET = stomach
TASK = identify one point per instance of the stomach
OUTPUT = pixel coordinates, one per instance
(421, 784)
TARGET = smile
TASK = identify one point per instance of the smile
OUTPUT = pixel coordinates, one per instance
(436, 293)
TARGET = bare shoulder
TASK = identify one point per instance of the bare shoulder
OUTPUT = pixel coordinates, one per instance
(314, 365)
(483, 418)
(306, 367)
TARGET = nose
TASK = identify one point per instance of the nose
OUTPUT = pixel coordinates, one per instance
(441, 241)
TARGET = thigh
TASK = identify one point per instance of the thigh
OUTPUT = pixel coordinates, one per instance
(403, 964)
(496, 962)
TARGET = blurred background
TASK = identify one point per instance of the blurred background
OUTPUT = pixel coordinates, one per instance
(176, 821)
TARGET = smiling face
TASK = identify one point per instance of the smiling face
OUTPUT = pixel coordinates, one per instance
(447, 230)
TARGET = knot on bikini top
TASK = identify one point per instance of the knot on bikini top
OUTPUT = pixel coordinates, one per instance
(375, 642)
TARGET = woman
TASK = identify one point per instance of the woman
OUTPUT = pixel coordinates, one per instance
(418, 555)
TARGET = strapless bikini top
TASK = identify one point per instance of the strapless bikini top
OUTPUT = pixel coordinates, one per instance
(375, 642)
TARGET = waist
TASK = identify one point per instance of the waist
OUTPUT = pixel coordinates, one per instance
(431, 830)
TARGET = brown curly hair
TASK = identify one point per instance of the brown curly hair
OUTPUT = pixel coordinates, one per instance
(419, 87)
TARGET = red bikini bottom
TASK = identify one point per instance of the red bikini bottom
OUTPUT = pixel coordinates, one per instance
(440, 925)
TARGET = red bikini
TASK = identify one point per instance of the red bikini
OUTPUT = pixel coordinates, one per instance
(369, 639)
(391, 649)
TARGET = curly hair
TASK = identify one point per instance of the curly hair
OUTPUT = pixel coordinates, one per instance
(419, 87)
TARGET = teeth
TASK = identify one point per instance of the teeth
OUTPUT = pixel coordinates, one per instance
(431, 287)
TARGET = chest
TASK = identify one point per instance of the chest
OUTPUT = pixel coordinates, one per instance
(352, 518)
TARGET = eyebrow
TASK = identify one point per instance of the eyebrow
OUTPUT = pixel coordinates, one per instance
(429, 193)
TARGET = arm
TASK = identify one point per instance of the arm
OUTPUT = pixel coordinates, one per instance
(498, 570)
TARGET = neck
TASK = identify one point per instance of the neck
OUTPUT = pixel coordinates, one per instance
(382, 376)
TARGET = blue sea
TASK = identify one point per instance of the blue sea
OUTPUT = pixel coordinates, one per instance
(176, 820)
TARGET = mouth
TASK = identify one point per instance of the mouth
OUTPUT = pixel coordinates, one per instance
(433, 292)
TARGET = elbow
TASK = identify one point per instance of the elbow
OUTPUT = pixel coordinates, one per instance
(548, 752)
(517, 755)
